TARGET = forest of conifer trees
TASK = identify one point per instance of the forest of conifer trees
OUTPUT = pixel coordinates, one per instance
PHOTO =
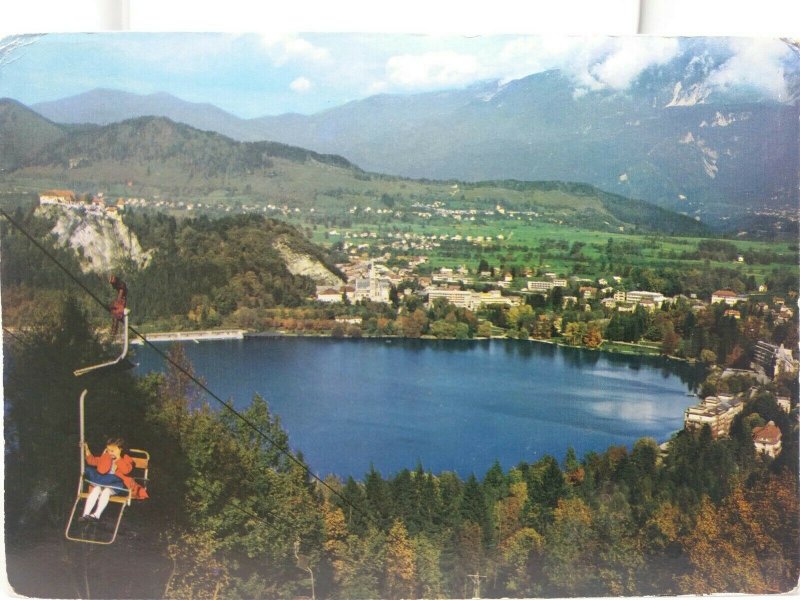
(235, 513)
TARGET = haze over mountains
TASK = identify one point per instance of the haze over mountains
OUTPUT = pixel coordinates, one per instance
(672, 137)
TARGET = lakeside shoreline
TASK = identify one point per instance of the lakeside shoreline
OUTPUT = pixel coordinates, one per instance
(239, 334)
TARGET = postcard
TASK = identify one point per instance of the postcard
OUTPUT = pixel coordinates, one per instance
(339, 315)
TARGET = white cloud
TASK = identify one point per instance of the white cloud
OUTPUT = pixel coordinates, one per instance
(630, 57)
(301, 84)
(285, 48)
(432, 69)
(592, 62)
(755, 63)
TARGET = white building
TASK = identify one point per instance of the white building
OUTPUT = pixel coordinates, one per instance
(470, 299)
(715, 411)
(492, 297)
(456, 297)
(728, 297)
(540, 286)
(767, 439)
(328, 294)
(638, 297)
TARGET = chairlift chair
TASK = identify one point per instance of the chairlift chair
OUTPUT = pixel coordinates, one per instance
(141, 461)
(120, 361)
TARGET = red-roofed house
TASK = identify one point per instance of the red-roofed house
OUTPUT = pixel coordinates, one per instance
(727, 296)
(767, 439)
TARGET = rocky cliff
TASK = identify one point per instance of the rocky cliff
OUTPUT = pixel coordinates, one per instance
(101, 240)
(299, 263)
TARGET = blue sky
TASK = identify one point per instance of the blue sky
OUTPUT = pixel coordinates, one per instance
(253, 75)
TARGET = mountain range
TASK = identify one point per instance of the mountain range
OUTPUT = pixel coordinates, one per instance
(157, 158)
(670, 138)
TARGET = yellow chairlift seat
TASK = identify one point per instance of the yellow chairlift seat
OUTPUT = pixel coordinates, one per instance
(140, 474)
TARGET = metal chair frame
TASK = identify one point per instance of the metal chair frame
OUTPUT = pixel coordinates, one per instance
(141, 460)
(120, 358)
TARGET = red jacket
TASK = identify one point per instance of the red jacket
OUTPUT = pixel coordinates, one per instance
(124, 468)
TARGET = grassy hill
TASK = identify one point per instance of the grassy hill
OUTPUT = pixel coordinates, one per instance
(156, 158)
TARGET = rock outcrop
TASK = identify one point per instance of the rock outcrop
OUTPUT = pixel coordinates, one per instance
(101, 240)
(299, 263)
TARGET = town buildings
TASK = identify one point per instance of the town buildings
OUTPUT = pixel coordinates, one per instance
(715, 411)
(773, 360)
(70, 200)
(470, 299)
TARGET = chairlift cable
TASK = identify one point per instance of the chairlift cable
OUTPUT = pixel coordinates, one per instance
(180, 368)
(194, 484)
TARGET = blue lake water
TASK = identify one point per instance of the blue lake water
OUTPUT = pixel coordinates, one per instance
(451, 405)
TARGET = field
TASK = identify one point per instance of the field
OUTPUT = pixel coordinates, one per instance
(548, 246)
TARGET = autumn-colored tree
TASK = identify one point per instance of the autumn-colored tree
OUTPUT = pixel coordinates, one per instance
(734, 356)
(485, 329)
(776, 508)
(521, 317)
(616, 545)
(196, 569)
(575, 332)
(413, 325)
(721, 557)
(508, 511)
(469, 552)
(543, 327)
(335, 542)
(399, 566)
(664, 526)
(670, 340)
(593, 336)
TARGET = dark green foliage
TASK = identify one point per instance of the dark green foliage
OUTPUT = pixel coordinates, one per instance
(223, 264)
(202, 270)
(627, 327)
(228, 503)
(224, 500)
(158, 140)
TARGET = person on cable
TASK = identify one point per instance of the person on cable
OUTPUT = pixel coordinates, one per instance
(109, 474)
(119, 304)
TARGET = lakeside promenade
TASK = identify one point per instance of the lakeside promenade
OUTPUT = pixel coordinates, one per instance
(192, 336)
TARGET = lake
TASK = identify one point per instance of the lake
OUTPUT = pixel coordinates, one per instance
(451, 405)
